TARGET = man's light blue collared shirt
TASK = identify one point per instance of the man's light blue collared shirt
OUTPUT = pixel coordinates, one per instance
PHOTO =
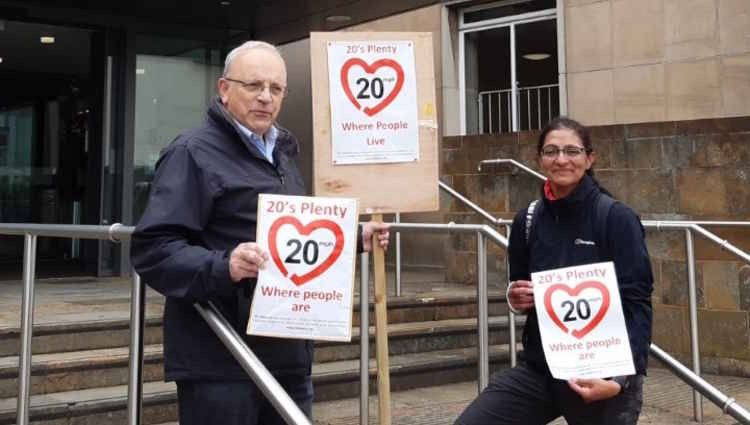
(266, 148)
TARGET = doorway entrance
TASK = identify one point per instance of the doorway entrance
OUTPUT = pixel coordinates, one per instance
(50, 127)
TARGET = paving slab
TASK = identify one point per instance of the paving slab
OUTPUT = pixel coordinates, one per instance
(69, 300)
(668, 401)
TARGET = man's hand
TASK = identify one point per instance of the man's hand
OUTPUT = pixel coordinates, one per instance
(592, 390)
(521, 295)
(375, 227)
(245, 261)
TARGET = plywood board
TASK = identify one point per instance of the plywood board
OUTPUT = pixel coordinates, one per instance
(380, 188)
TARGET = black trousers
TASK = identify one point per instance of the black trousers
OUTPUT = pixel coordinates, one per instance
(525, 396)
(238, 402)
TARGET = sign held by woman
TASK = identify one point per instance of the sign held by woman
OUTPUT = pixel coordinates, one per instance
(581, 322)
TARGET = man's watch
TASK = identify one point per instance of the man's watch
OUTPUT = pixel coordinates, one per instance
(622, 380)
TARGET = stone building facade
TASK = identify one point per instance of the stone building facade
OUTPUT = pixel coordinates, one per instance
(634, 61)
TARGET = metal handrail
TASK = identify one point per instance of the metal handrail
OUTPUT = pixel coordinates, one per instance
(273, 391)
(727, 404)
(543, 86)
(234, 343)
(511, 104)
(484, 233)
(119, 233)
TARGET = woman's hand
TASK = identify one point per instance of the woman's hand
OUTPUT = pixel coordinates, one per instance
(592, 390)
(521, 296)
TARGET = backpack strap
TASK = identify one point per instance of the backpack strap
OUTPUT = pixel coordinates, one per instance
(530, 218)
(604, 204)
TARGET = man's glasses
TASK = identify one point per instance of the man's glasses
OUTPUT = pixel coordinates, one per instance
(256, 87)
(551, 152)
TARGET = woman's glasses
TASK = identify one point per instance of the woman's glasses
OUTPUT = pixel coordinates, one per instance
(552, 152)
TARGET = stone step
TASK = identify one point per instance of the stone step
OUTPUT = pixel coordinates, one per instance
(79, 370)
(333, 380)
(101, 406)
(109, 367)
(434, 307)
(414, 337)
(84, 334)
(336, 380)
(97, 330)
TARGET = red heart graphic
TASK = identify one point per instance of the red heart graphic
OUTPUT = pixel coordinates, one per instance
(573, 292)
(370, 69)
(305, 230)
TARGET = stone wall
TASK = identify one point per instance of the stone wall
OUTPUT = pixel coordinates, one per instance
(667, 170)
(656, 60)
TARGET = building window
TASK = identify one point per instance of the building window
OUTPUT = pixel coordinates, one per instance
(509, 66)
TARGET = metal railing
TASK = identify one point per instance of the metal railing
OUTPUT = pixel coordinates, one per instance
(727, 404)
(119, 233)
(484, 233)
(536, 106)
(271, 389)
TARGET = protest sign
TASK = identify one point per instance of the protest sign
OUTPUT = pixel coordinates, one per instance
(581, 322)
(306, 289)
(373, 99)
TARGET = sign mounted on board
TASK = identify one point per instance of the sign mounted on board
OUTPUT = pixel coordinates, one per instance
(374, 114)
(373, 95)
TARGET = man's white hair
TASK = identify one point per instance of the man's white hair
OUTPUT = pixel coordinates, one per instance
(248, 45)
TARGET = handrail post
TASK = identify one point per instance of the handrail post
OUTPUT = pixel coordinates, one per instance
(364, 339)
(398, 258)
(27, 326)
(693, 307)
(135, 379)
(511, 317)
(483, 339)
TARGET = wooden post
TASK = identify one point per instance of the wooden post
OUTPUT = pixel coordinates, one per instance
(381, 330)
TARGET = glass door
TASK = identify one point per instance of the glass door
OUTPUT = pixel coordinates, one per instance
(48, 94)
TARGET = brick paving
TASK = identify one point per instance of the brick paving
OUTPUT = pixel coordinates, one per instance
(668, 401)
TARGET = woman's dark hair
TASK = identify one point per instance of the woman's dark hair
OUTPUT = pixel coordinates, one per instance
(565, 123)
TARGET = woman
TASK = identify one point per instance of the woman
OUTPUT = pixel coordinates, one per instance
(563, 232)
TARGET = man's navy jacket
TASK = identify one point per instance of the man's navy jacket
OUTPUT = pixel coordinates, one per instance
(203, 203)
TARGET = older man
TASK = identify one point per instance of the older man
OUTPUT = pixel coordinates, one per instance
(195, 242)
